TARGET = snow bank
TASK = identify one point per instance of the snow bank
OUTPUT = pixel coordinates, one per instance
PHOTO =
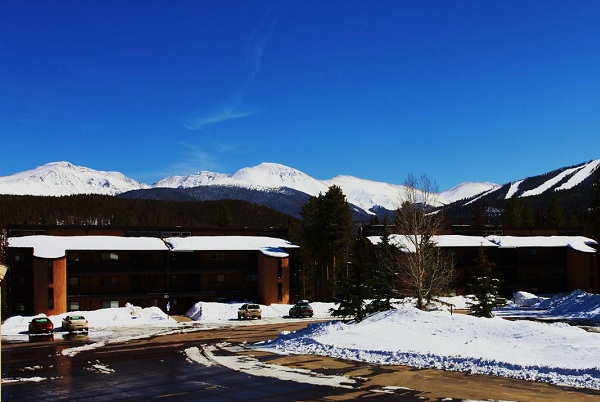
(575, 306)
(212, 312)
(525, 299)
(552, 353)
(128, 316)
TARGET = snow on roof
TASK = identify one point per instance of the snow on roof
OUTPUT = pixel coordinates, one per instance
(56, 246)
(578, 243)
(403, 241)
(269, 246)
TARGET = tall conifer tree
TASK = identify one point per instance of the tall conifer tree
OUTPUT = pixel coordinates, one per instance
(485, 288)
(326, 236)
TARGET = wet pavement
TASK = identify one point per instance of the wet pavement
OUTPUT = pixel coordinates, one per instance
(159, 368)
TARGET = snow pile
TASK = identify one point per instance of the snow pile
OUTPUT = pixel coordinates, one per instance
(553, 353)
(212, 312)
(128, 316)
(526, 299)
(577, 305)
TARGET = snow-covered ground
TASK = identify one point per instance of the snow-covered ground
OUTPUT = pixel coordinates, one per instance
(555, 353)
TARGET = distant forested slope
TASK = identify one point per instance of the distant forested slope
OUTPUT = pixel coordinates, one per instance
(111, 211)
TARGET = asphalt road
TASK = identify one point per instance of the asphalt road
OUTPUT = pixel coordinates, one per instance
(157, 369)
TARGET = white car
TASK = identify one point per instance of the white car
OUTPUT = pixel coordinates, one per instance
(249, 311)
(74, 323)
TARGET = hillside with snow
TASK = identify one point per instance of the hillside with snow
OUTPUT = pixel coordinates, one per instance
(64, 178)
(280, 187)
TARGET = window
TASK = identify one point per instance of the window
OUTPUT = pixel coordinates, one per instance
(531, 251)
(250, 277)
(50, 299)
(216, 256)
(73, 281)
(109, 281)
(20, 307)
(74, 306)
(217, 278)
(110, 303)
(106, 256)
(19, 257)
(50, 272)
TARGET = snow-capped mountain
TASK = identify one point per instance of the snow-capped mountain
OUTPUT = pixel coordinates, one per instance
(365, 194)
(64, 178)
(549, 183)
(272, 182)
(265, 176)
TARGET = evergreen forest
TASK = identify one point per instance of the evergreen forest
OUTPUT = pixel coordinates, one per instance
(105, 210)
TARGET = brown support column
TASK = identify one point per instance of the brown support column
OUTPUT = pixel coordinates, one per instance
(49, 274)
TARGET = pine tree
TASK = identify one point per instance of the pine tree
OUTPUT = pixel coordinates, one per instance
(326, 237)
(528, 216)
(356, 286)
(225, 219)
(512, 214)
(386, 281)
(485, 288)
(556, 215)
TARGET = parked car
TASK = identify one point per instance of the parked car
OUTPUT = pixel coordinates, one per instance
(41, 325)
(74, 323)
(249, 311)
(301, 309)
(376, 306)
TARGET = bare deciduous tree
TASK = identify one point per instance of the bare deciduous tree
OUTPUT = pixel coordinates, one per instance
(424, 268)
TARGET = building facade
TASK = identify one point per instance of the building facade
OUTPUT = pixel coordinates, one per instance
(56, 274)
(538, 264)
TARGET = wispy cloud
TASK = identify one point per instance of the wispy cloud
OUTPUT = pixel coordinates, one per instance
(234, 108)
(218, 117)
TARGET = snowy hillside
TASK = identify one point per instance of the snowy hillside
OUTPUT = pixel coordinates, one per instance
(465, 190)
(264, 176)
(365, 194)
(201, 178)
(564, 180)
(548, 184)
(64, 178)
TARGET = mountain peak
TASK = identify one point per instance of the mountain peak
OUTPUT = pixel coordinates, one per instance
(65, 178)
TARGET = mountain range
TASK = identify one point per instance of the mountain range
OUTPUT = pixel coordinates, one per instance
(277, 186)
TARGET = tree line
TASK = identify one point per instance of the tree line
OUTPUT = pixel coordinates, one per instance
(105, 210)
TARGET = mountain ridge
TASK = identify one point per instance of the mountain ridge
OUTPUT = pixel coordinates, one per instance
(271, 183)
(64, 178)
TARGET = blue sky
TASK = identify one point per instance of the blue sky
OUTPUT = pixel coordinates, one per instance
(456, 90)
